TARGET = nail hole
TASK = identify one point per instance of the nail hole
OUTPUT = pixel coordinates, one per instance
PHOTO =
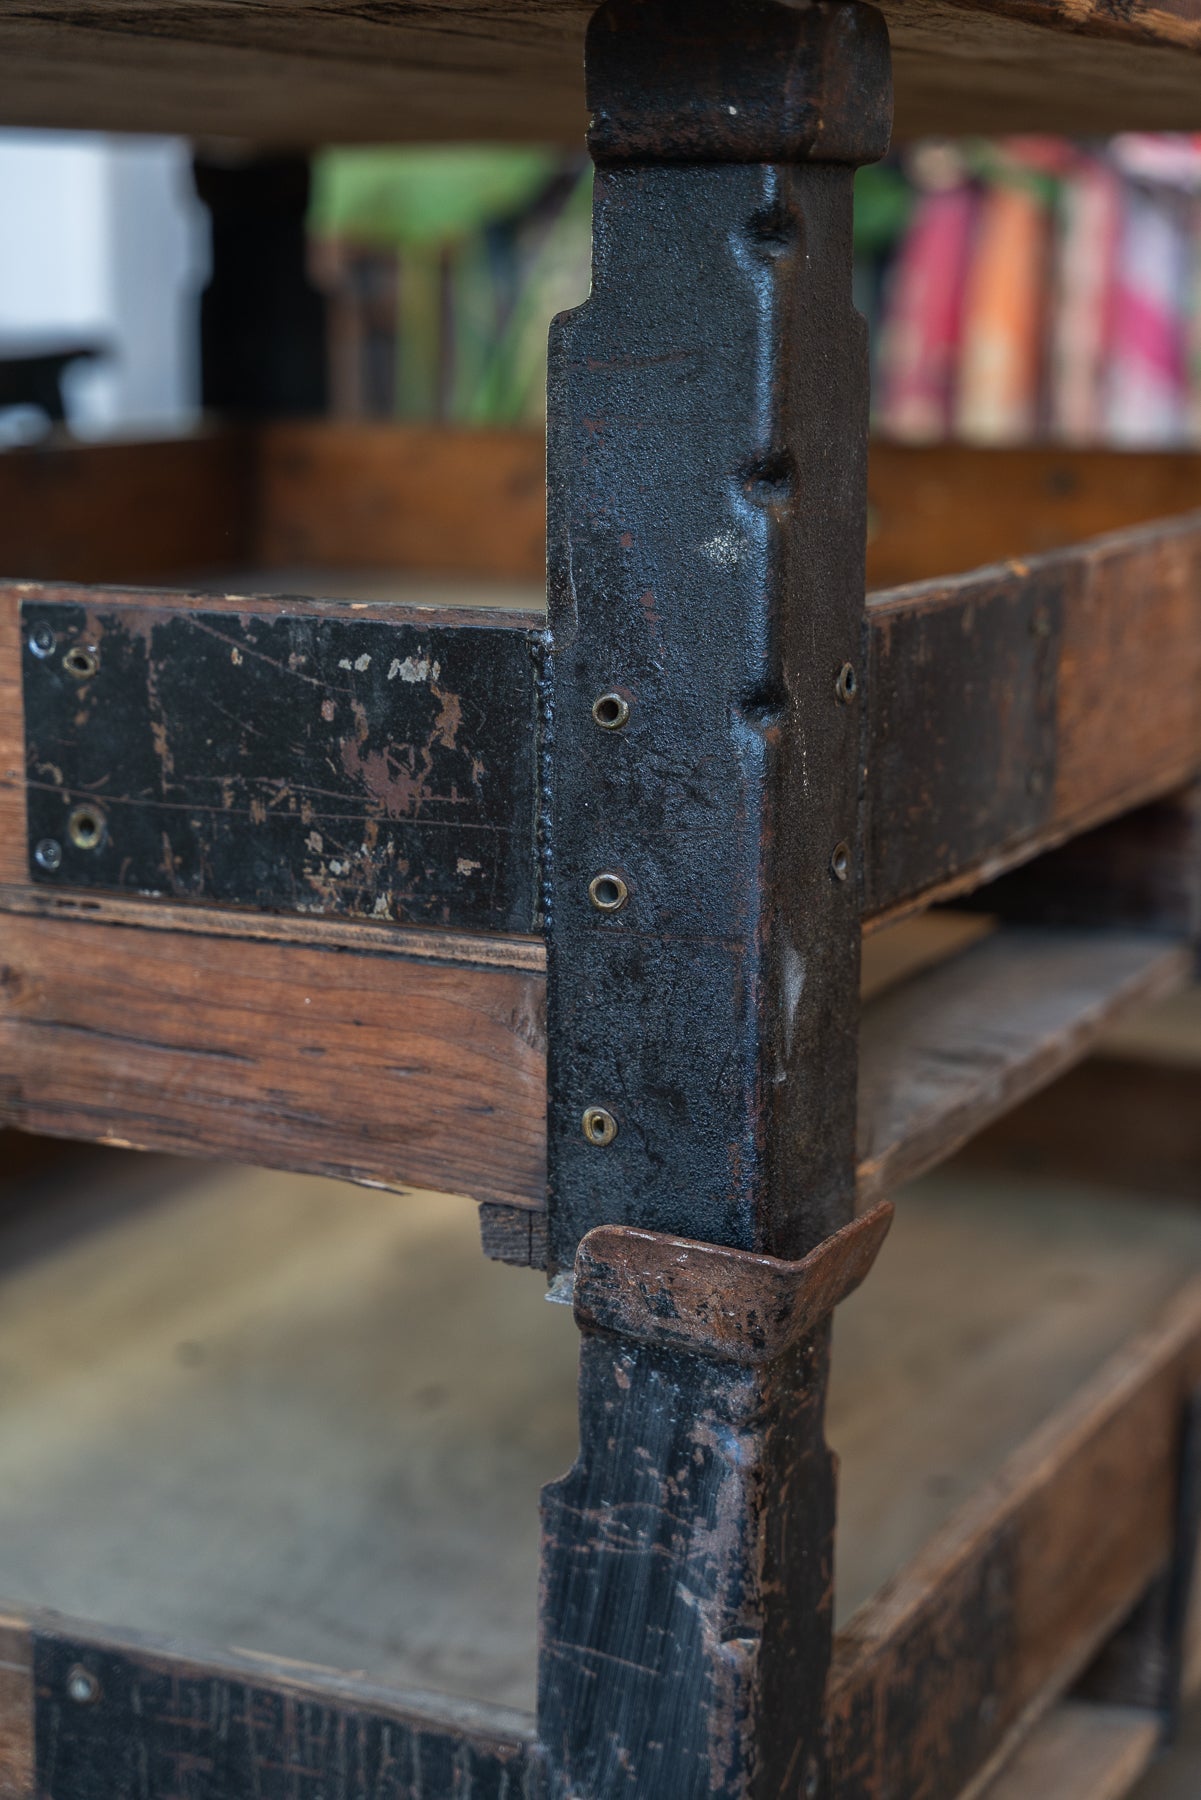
(847, 685)
(608, 892)
(600, 1127)
(85, 828)
(81, 662)
(82, 1686)
(840, 862)
(611, 711)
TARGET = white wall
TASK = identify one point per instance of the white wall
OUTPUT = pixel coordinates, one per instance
(102, 238)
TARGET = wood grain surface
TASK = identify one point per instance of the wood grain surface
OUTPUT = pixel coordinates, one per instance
(485, 69)
(375, 1067)
(1009, 1601)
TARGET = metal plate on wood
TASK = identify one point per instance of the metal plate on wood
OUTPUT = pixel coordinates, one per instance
(113, 1723)
(297, 761)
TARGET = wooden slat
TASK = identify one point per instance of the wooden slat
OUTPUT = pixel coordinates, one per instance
(939, 508)
(1014, 707)
(136, 512)
(484, 69)
(16, 1710)
(1003, 1608)
(415, 497)
(377, 1068)
(946, 1052)
(1113, 1121)
(1079, 1752)
(153, 1712)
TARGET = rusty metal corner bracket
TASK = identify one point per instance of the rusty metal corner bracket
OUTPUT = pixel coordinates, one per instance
(732, 1305)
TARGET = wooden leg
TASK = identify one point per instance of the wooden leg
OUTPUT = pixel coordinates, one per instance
(688, 1580)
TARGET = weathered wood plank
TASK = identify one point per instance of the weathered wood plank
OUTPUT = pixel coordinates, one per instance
(103, 1716)
(332, 495)
(1014, 707)
(486, 69)
(16, 1711)
(373, 1066)
(1079, 1752)
(1007, 1603)
(946, 1052)
(1112, 1121)
(127, 512)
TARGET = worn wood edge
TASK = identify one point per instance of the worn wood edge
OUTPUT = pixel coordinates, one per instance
(938, 1132)
(481, 1722)
(1167, 1354)
(16, 1708)
(1077, 1751)
(485, 950)
(280, 606)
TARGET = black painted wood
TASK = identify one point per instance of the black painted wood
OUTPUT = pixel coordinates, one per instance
(305, 760)
(121, 1722)
(707, 446)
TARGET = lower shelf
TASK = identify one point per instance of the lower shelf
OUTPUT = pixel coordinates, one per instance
(251, 1409)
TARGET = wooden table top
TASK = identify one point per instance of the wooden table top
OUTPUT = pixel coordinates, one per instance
(314, 71)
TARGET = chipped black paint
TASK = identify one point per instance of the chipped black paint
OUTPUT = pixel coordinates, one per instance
(706, 525)
(162, 1728)
(299, 760)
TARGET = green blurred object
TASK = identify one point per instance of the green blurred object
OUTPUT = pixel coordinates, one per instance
(411, 199)
(883, 203)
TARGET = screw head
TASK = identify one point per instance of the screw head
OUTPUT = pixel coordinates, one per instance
(611, 711)
(608, 892)
(600, 1127)
(48, 855)
(840, 861)
(82, 1686)
(847, 685)
(41, 640)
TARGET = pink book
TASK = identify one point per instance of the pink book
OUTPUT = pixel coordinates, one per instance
(1001, 350)
(1085, 255)
(920, 329)
(1146, 391)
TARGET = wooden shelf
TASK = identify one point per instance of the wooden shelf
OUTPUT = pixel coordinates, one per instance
(310, 1421)
(943, 1054)
(486, 69)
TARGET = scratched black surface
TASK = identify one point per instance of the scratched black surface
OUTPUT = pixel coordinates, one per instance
(294, 762)
(160, 1728)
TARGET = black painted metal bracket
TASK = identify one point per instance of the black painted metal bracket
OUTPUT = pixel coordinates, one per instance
(706, 522)
(299, 759)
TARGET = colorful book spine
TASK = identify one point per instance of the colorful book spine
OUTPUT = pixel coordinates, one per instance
(920, 329)
(1002, 339)
(1089, 215)
(1146, 385)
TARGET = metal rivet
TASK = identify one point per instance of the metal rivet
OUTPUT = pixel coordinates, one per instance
(48, 855)
(840, 862)
(81, 661)
(610, 711)
(41, 640)
(85, 828)
(847, 685)
(608, 892)
(82, 1686)
(600, 1127)
(812, 1779)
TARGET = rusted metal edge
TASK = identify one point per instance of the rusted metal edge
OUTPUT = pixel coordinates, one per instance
(728, 1304)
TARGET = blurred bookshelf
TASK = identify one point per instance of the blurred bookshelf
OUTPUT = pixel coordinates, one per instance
(1017, 290)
